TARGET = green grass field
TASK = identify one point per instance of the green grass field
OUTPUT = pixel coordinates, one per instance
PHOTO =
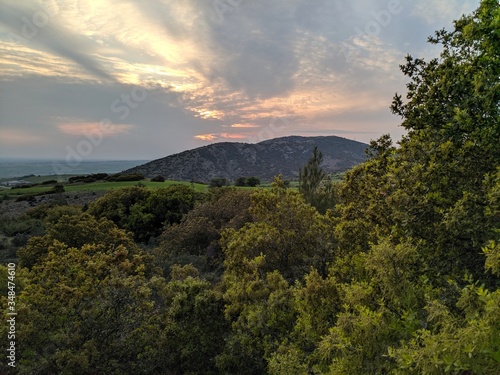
(104, 186)
(100, 186)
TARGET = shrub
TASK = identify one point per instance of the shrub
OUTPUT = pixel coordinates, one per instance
(74, 179)
(241, 181)
(125, 177)
(88, 178)
(253, 181)
(142, 211)
(100, 176)
(57, 189)
(49, 182)
(218, 182)
(13, 226)
(158, 179)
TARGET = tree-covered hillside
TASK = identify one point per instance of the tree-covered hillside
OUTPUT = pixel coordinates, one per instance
(394, 270)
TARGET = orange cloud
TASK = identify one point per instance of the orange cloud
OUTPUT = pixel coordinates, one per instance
(245, 126)
(14, 136)
(206, 137)
(214, 137)
(209, 114)
(93, 128)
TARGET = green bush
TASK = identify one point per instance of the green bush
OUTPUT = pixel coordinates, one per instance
(142, 211)
(24, 186)
(218, 182)
(57, 189)
(11, 227)
(253, 181)
(241, 181)
(125, 177)
(158, 179)
(49, 182)
(88, 178)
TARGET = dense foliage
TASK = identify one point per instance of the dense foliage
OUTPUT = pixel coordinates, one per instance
(397, 272)
(144, 212)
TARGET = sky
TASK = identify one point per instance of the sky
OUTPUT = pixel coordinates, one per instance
(140, 80)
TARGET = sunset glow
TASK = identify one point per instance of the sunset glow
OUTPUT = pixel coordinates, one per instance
(169, 74)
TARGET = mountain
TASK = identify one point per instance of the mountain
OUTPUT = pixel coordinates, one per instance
(264, 160)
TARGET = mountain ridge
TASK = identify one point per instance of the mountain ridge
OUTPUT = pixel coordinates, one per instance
(264, 160)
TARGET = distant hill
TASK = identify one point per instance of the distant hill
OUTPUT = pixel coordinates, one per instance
(264, 160)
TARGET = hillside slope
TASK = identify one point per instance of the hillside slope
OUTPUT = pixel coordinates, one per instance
(264, 160)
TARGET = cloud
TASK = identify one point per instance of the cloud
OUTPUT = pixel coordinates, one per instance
(208, 75)
(245, 126)
(442, 11)
(206, 137)
(29, 23)
(61, 111)
(94, 129)
(17, 137)
(219, 136)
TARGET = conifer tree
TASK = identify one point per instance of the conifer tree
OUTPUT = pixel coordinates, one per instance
(314, 185)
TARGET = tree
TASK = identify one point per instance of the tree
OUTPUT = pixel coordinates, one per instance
(92, 302)
(196, 238)
(461, 339)
(411, 221)
(363, 212)
(252, 181)
(316, 303)
(241, 181)
(314, 185)
(58, 188)
(259, 308)
(75, 231)
(86, 310)
(452, 117)
(142, 211)
(379, 308)
(311, 176)
(289, 233)
(285, 239)
(218, 182)
(195, 327)
(433, 187)
(158, 179)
